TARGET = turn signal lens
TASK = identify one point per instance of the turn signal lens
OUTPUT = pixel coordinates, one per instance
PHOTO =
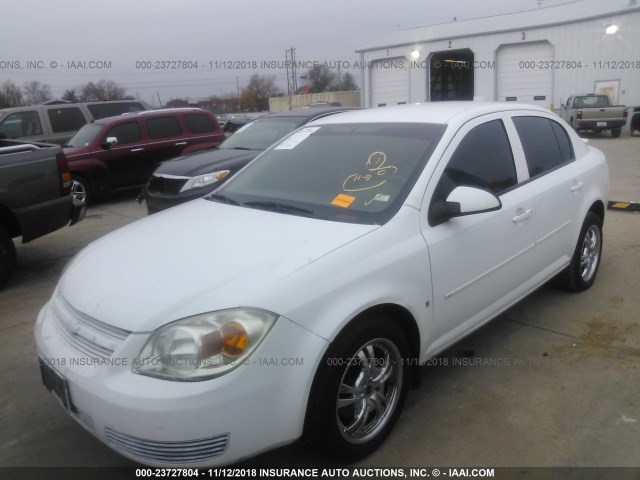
(234, 339)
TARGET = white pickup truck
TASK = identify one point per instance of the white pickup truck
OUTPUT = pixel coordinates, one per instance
(593, 112)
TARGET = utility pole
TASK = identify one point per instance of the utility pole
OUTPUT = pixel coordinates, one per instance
(292, 76)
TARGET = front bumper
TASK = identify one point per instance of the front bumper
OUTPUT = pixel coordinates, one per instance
(258, 406)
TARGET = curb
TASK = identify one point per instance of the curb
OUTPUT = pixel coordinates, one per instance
(628, 206)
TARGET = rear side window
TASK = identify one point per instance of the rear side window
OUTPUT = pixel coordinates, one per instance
(545, 146)
(66, 119)
(163, 127)
(199, 123)
(20, 124)
(125, 133)
(111, 109)
(483, 159)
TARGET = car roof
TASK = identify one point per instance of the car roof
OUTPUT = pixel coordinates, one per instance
(149, 114)
(433, 112)
(310, 112)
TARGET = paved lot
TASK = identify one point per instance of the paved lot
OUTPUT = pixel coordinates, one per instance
(565, 392)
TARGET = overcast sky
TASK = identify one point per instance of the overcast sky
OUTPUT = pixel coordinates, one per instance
(55, 42)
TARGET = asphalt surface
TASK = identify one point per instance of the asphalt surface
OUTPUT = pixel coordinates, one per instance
(555, 381)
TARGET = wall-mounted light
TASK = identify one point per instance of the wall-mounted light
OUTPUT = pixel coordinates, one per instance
(611, 29)
(415, 54)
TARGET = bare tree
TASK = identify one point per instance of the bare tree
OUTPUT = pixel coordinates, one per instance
(320, 78)
(348, 83)
(36, 93)
(10, 95)
(255, 96)
(70, 95)
(102, 90)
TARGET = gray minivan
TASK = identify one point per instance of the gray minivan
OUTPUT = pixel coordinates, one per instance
(58, 122)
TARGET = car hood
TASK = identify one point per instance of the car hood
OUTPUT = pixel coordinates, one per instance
(207, 161)
(73, 152)
(192, 259)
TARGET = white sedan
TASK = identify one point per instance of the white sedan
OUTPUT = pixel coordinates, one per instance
(297, 298)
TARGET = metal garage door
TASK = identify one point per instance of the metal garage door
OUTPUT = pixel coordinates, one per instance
(389, 82)
(524, 74)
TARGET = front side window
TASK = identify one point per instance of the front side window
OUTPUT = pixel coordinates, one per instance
(483, 159)
(125, 133)
(163, 127)
(545, 146)
(66, 119)
(20, 124)
(358, 173)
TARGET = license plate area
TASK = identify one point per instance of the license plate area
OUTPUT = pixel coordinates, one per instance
(601, 124)
(55, 383)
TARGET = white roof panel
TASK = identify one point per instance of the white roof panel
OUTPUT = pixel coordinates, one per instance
(578, 10)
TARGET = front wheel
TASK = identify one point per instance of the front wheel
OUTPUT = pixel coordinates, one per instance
(581, 272)
(359, 389)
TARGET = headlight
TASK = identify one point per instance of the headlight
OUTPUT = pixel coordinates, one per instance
(205, 346)
(200, 181)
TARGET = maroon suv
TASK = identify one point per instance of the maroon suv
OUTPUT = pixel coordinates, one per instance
(123, 151)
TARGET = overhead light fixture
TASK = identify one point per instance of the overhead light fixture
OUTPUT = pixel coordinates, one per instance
(415, 54)
(611, 29)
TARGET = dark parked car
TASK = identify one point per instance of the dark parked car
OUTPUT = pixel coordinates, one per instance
(194, 176)
(122, 151)
(235, 122)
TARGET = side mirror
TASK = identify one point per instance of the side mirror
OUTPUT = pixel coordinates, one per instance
(463, 201)
(110, 142)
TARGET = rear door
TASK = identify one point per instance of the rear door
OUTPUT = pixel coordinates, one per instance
(166, 139)
(555, 182)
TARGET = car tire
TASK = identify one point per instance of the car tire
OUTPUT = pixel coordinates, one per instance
(616, 132)
(81, 189)
(359, 389)
(7, 256)
(581, 272)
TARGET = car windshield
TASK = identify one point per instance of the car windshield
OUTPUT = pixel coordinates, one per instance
(358, 173)
(85, 135)
(262, 133)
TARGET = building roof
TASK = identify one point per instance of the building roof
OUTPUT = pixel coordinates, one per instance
(571, 12)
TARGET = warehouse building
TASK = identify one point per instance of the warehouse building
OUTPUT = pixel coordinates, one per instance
(540, 56)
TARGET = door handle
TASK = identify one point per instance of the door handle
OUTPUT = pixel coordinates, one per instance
(522, 216)
(576, 186)
(180, 144)
(137, 149)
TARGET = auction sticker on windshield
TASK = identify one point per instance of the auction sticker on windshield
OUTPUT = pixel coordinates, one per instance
(297, 138)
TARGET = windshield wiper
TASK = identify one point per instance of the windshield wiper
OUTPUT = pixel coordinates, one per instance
(218, 197)
(280, 207)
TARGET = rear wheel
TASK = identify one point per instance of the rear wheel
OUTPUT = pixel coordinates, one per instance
(616, 132)
(359, 389)
(7, 256)
(582, 271)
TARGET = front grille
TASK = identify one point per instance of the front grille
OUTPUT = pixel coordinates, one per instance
(178, 452)
(88, 336)
(166, 185)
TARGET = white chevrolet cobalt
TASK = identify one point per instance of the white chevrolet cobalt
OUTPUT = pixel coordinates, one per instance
(297, 298)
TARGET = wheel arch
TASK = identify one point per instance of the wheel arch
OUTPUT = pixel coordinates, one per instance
(9, 222)
(401, 317)
(597, 207)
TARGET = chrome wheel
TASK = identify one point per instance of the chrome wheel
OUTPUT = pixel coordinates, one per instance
(369, 390)
(78, 190)
(590, 253)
